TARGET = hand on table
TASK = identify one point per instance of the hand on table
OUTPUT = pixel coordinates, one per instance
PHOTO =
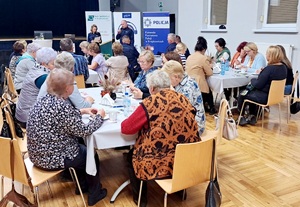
(137, 93)
(89, 99)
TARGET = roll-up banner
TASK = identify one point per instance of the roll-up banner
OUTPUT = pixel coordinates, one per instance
(103, 20)
(156, 29)
(133, 21)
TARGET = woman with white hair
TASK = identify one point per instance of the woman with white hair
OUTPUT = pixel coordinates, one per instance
(33, 81)
(163, 120)
(66, 61)
(53, 128)
(182, 83)
(24, 64)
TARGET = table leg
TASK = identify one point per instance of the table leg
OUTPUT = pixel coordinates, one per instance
(116, 193)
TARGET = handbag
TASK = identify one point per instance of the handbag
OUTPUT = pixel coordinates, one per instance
(230, 131)
(295, 107)
(12, 198)
(213, 196)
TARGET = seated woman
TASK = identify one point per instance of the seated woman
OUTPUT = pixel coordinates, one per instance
(53, 129)
(290, 75)
(94, 35)
(239, 56)
(181, 49)
(117, 64)
(19, 48)
(98, 62)
(275, 70)
(172, 55)
(254, 60)
(66, 61)
(198, 67)
(223, 53)
(33, 81)
(139, 87)
(84, 49)
(163, 120)
(182, 83)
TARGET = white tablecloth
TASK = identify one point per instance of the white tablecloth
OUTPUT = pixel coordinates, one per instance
(43, 43)
(218, 82)
(109, 134)
(93, 78)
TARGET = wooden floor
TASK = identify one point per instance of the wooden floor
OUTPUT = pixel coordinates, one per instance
(253, 171)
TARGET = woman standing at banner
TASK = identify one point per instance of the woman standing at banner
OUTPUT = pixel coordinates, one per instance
(94, 35)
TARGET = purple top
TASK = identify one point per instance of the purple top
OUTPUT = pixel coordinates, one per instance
(101, 69)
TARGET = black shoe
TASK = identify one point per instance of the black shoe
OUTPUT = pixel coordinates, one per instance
(252, 120)
(243, 121)
(93, 200)
(122, 148)
(84, 190)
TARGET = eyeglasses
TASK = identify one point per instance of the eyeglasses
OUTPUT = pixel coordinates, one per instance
(142, 62)
(248, 51)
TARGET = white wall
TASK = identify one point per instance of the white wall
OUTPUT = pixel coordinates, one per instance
(240, 26)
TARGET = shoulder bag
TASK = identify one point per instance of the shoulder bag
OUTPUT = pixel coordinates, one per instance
(295, 107)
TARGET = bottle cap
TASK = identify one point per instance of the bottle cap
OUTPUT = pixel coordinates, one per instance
(126, 93)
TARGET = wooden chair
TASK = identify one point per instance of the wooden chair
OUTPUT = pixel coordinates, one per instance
(80, 81)
(276, 95)
(24, 170)
(289, 96)
(211, 134)
(192, 166)
(11, 90)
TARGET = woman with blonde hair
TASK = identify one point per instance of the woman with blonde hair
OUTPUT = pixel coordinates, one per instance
(117, 64)
(254, 60)
(98, 62)
(94, 35)
(181, 49)
(187, 86)
(258, 89)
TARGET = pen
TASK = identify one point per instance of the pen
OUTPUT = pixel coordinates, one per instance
(117, 106)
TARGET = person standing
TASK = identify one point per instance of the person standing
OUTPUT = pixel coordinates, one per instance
(94, 35)
(125, 30)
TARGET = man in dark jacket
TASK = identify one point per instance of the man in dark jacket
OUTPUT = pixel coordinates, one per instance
(132, 55)
(125, 30)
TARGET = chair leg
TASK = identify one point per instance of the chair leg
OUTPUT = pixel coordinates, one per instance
(140, 193)
(49, 189)
(279, 107)
(166, 200)
(2, 186)
(74, 178)
(262, 120)
(184, 195)
(36, 195)
(288, 109)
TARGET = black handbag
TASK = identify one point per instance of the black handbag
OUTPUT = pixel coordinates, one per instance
(295, 107)
(213, 196)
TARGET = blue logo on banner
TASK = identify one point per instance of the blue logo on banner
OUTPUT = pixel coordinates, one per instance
(126, 15)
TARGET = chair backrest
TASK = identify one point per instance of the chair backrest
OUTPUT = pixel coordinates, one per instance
(80, 81)
(20, 171)
(10, 84)
(222, 115)
(276, 93)
(192, 164)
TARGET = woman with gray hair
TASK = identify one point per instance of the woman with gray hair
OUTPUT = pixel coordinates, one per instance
(53, 128)
(163, 120)
(66, 61)
(24, 64)
(182, 83)
(33, 81)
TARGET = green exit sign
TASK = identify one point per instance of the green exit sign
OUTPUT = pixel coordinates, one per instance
(160, 4)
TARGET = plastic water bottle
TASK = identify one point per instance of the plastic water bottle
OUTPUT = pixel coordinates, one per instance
(226, 65)
(42, 36)
(127, 104)
(223, 68)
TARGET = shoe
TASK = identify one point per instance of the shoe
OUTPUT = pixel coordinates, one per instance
(84, 190)
(252, 120)
(93, 200)
(243, 121)
(212, 111)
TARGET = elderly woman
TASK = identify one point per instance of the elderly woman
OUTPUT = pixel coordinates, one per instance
(163, 120)
(223, 53)
(66, 61)
(117, 65)
(198, 67)
(259, 90)
(84, 48)
(171, 56)
(98, 62)
(53, 128)
(254, 60)
(239, 56)
(25, 63)
(19, 48)
(182, 83)
(139, 88)
(94, 35)
(33, 81)
(181, 49)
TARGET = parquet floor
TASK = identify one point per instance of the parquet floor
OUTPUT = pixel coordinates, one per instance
(253, 171)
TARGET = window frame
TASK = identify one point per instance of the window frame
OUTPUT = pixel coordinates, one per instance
(208, 19)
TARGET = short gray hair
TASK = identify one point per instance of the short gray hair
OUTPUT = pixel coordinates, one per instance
(66, 44)
(172, 36)
(33, 47)
(158, 80)
(45, 55)
(84, 44)
(58, 80)
(64, 60)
